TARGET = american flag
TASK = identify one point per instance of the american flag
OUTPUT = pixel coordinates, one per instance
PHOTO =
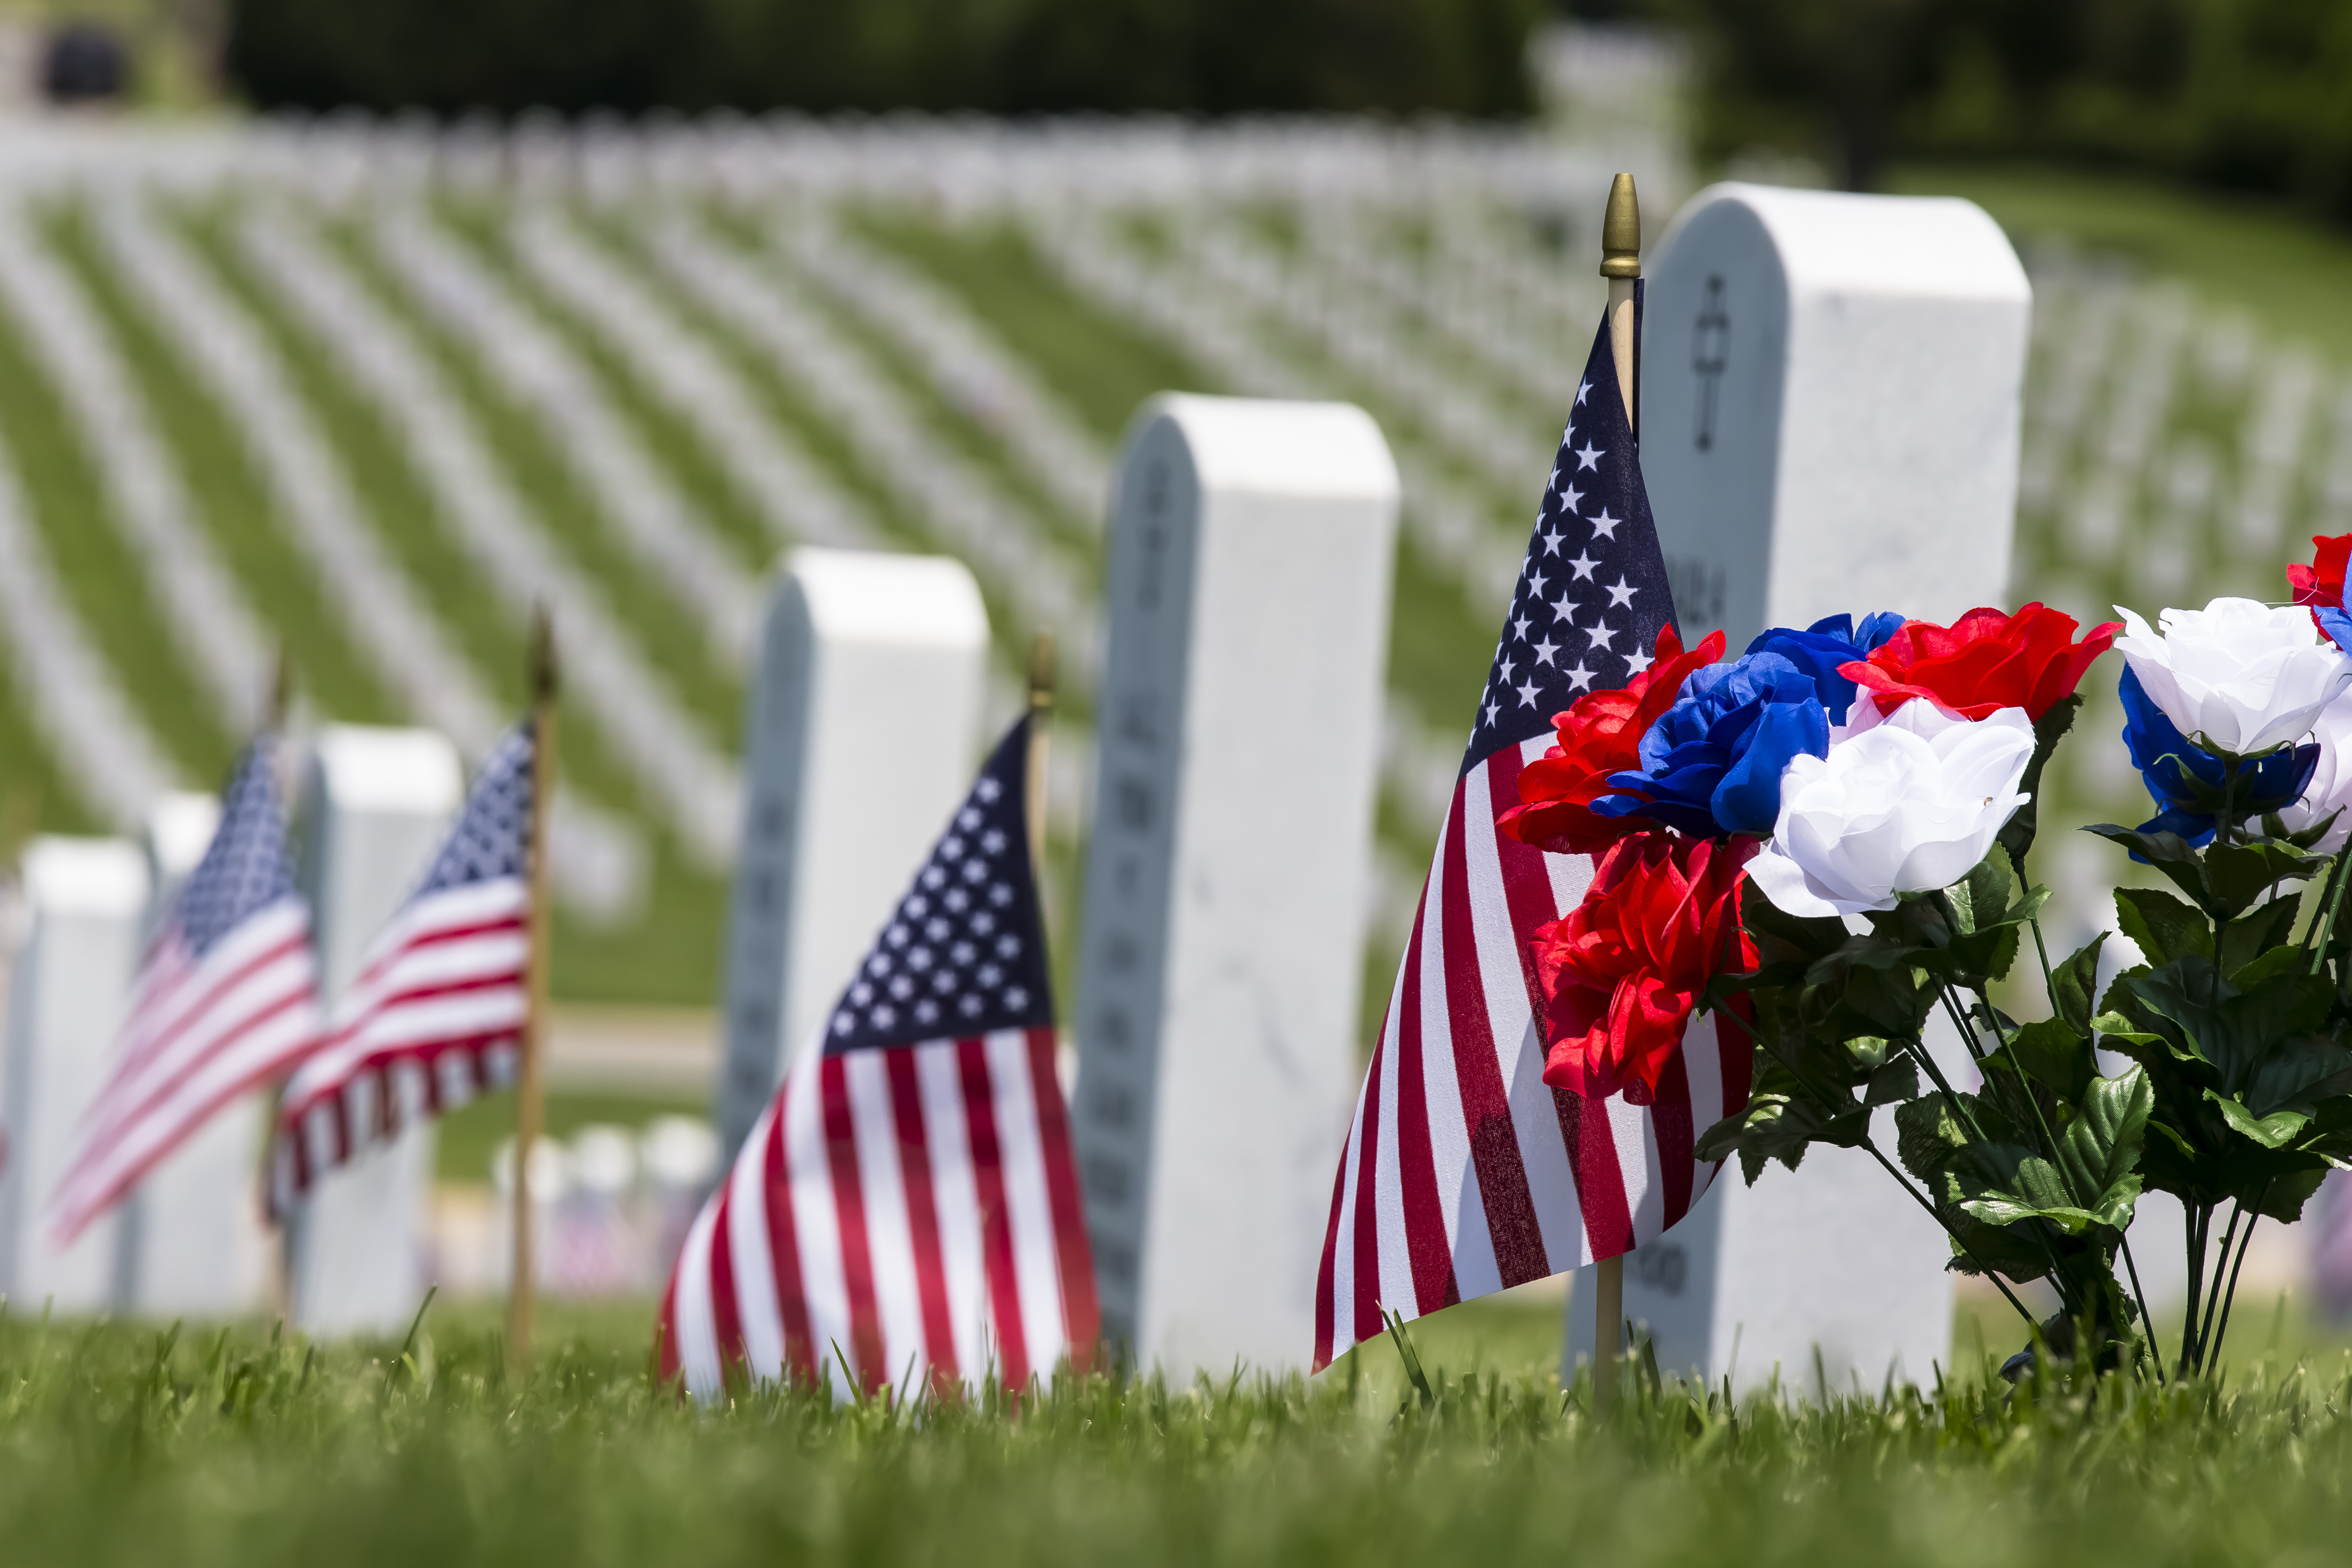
(437, 1014)
(1464, 1172)
(907, 1207)
(227, 997)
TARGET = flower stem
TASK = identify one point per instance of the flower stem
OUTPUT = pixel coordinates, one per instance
(1937, 1214)
(2147, 1323)
(2213, 1289)
(2324, 929)
(2230, 1299)
(2194, 1217)
(2049, 979)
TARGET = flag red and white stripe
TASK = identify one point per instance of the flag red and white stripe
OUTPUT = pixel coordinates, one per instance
(225, 999)
(202, 1031)
(435, 1019)
(436, 1014)
(1465, 1172)
(905, 1213)
(909, 1213)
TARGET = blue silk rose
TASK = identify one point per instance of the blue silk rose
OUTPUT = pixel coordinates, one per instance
(1711, 764)
(1821, 647)
(2186, 780)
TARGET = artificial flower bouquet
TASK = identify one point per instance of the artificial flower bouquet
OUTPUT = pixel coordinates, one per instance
(1824, 844)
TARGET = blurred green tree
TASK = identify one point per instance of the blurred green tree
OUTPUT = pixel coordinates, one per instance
(1217, 57)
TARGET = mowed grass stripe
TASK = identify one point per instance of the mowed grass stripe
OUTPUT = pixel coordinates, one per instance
(395, 503)
(939, 418)
(391, 496)
(1101, 367)
(826, 443)
(680, 452)
(109, 585)
(228, 494)
(34, 794)
(676, 645)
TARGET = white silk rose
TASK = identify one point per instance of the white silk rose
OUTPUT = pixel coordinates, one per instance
(2237, 674)
(2330, 790)
(1905, 806)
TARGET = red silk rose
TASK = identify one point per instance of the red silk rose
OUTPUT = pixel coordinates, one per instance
(1600, 735)
(1984, 661)
(1621, 973)
(2320, 584)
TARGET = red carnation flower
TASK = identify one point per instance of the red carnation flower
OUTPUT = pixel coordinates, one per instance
(1984, 661)
(1601, 735)
(1623, 973)
(2320, 584)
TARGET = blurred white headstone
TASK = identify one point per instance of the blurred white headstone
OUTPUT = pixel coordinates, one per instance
(194, 1243)
(1251, 552)
(375, 806)
(1830, 420)
(83, 902)
(860, 731)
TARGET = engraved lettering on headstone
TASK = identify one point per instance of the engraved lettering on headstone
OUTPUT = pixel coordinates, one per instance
(1662, 1267)
(1710, 348)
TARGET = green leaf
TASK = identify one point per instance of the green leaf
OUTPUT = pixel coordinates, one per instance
(2017, 834)
(2255, 935)
(1981, 898)
(2295, 1074)
(2052, 1052)
(1978, 1245)
(1866, 1053)
(1893, 1083)
(2165, 928)
(1926, 1135)
(2239, 874)
(2169, 853)
(2099, 1148)
(2075, 983)
(2271, 1132)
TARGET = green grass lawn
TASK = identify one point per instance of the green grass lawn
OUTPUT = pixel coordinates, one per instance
(123, 1444)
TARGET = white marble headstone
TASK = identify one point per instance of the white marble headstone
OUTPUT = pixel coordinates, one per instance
(194, 1241)
(375, 806)
(84, 899)
(861, 728)
(1238, 740)
(1830, 397)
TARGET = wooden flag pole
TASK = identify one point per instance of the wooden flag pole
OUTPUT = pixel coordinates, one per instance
(1621, 263)
(530, 1076)
(1041, 716)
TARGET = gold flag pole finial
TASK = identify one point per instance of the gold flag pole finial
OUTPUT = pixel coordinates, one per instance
(1620, 231)
(1621, 263)
(530, 1094)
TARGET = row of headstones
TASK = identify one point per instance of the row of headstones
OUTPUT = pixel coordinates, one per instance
(1847, 440)
(1848, 443)
(191, 1240)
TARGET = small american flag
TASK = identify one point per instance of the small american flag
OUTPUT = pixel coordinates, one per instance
(437, 1014)
(226, 998)
(908, 1205)
(1465, 1172)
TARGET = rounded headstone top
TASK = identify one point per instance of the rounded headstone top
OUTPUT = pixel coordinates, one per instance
(872, 595)
(180, 827)
(366, 768)
(85, 876)
(1840, 242)
(1272, 446)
